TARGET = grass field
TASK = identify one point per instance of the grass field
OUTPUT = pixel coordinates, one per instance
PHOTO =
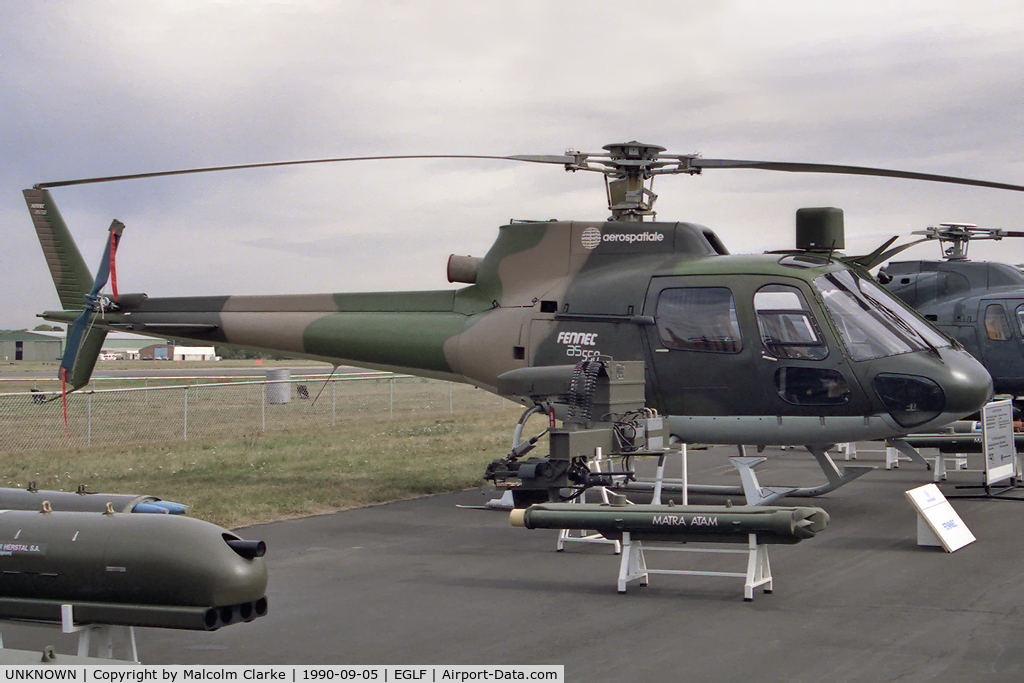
(307, 464)
(262, 477)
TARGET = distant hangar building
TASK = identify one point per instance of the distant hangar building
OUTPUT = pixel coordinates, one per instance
(175, 352)
(30, 346)
(49, 346)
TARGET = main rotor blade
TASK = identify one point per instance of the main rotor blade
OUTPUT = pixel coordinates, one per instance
(235, 167)
(797, 167)
(692, 162)
(542, 158)
(882, 258)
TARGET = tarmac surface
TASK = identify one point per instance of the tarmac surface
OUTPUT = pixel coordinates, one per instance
(428, 582)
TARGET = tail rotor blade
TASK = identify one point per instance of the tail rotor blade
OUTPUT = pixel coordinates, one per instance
(74, 340)
(107, 261)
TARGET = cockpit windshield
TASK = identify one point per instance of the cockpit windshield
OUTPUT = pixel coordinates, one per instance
(870, 323)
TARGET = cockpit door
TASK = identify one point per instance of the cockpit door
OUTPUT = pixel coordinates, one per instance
(700, 347)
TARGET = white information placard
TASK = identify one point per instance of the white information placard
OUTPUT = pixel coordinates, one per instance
(940, 519)
(997, 438)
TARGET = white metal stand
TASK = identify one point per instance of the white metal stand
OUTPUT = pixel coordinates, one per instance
(104, 632)
(633, 566)
(940, 470)
(892, 458)
(898, 447)
(104, 641)
(849, 450)
(582, 535)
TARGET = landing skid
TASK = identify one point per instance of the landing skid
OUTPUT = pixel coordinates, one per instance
(756, 494)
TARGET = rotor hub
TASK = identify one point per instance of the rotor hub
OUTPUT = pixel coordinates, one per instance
(633, 151)
(954, 238)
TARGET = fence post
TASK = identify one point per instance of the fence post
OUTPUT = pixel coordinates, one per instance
(186, 413)
(88, 430)
(263, 408)
(392, 397)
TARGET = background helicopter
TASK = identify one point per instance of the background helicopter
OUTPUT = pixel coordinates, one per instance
(798, 347)
(978, 303)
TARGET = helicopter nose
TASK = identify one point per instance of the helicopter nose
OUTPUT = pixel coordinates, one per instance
(968, 385)
(944, 392)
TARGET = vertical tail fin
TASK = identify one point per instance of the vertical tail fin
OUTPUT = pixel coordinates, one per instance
(76, 287)
(70, 275)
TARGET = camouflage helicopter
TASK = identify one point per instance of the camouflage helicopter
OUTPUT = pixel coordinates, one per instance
(797, 347)
(978, 303)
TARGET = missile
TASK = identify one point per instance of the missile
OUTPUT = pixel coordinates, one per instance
(164, 571)
(678, 523)
(958, 442)
(85, 501)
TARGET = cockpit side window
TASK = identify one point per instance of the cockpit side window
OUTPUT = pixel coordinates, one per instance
(786, 324)
(1020, 319)
(812, 386)
(996, 325)
(698, 319)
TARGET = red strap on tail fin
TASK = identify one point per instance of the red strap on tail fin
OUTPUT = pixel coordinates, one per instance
(115, 238)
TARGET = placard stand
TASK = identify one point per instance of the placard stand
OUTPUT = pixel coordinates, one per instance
(1000, 450)
(937, 521)
(997, 437)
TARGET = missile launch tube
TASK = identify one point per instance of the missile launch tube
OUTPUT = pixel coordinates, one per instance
(67, 501)
(168, 571)
(678, 523)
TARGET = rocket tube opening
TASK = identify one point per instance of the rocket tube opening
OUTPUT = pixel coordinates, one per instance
(246, 549)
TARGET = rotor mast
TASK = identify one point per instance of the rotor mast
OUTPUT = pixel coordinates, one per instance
(630, 186)
(629, 169)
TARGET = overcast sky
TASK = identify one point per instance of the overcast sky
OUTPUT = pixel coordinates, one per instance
(101, 88)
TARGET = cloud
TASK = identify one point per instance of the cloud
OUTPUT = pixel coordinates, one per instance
(104, 88)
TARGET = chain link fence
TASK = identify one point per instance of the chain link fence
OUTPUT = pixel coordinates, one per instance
(35, 420)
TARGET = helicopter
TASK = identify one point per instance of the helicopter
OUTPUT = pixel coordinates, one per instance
(796, 347)
(980, 304)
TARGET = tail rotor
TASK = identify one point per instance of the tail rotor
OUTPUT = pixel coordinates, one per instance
(85, 341)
